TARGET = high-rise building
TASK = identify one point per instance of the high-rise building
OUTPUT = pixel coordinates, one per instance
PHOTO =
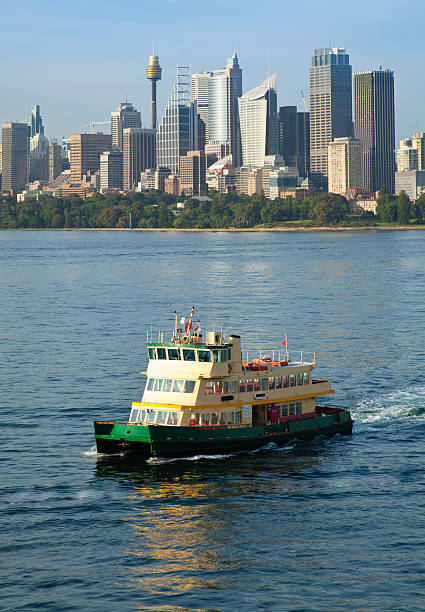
(193, 168)
(344, 165)
(85, 153)
(178, 130)
(294, 138)
(38, 147)
(258, 123)
(125, 116)
(418, 142)
(35, 122)
(55, 161)
(200, 95)
(139, 153)
(411, 182)
(374, 127)
(15, 155)
(111, 169)
(407, 156)
(224, 89)
(172, 184)
(153, 74)
(330, 106)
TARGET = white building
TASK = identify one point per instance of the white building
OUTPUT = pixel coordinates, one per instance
(410, 181)
(125, 116)
(407, 156)
(344, 165)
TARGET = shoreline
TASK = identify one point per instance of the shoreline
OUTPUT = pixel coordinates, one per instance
(367, 228)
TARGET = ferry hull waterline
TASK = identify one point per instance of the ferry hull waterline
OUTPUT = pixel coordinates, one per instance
(263, 401)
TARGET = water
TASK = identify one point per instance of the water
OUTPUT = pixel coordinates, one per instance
(335, 524)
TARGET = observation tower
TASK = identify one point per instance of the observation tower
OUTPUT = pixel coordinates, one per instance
(153, 73)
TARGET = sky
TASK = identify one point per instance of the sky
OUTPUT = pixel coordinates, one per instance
(79, 59)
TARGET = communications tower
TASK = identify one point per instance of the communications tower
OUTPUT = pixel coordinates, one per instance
(153, 73)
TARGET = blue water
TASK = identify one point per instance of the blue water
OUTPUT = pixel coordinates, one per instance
(335, 524)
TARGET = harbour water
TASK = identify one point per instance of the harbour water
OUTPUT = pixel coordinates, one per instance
(335, 524)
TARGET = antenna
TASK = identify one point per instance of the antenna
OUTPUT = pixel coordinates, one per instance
(153, 47)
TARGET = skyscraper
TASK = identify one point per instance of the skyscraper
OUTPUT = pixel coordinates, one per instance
(139, 153)
(178, 130)
(111, 169)
(294, 138)
(330, 106)
(125, 116)
(374, 126)
(85, 153)
(38, 147)
(193, 169)
(15, 159)
(35, 122)
(200, 95)
(224, 89)
(55, 160)
(258, 123)
(344, 165)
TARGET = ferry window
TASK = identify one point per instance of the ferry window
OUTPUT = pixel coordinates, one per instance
(292, 380)
(229, 354)
(218, 387)
(224, 355)
(209, 387)
(197, 418)
(151, 416)
(226, 386)
(291, 409)
(152, 354)
(134, 415)
(279, 382)
(173, 353)
(231, 418)
(241, 386)
(256, 384)
(151, 382)
(300, 378)
(286, 381)
(284, 410)
(188, 355)
(264, 382)
(222, 418)
(271, 382)
(206, 418)
(162, 353)
(172, 418)
(249, 384)
(161, 417)
(234, 386)
(298, 408)
(204, 356)
(142, 415)
(189, 386)
(158, 384)
(214, 418)
(167, 385)
(306, 378)
(178, 386)
(238, 416)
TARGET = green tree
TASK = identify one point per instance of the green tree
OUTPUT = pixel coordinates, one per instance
(403, 205)
(330, 209)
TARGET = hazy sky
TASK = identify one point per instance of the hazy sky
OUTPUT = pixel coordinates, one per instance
(77, 58)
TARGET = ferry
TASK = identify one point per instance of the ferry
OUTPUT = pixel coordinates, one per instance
(201, 397)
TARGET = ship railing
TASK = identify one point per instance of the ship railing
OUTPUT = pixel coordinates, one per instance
(276, 359)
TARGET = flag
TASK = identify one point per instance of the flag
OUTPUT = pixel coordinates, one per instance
(197, 327)
(285, 341)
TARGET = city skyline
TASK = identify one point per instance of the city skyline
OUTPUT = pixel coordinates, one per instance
(55, 81)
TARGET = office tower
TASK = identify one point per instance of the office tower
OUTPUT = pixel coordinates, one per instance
(407, 156)
(258, 123)
(85, 153)
(125, 116)
(15, 155)
(178, 130)
(410, 181)
(344, 165)
(139, 153)
(55, 161)
(418, 142)
(38, 147)
(161, 174)
(111, 169)
(1, 167)
(200, 96)
(172, 184)
(374, 127)
(330, 106)
(193, 168)
(153, 74)
(35, 122)
(224, 89)
(294, 138)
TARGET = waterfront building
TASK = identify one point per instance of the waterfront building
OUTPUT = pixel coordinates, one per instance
(139, 153)
(55, 160)
(193, 167)
(344, 165)
(85, 153)
(330, 106)
(178, 129)
(410, 181)
(374, 127)
(258, 123)
(111, 169)
(125, 116)
(15, 156)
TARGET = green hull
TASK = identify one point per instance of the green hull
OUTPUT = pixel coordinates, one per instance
(165, 441)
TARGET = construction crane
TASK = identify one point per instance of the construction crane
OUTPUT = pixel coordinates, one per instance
(93, 123)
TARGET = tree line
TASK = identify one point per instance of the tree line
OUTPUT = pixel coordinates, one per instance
(154, 209)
